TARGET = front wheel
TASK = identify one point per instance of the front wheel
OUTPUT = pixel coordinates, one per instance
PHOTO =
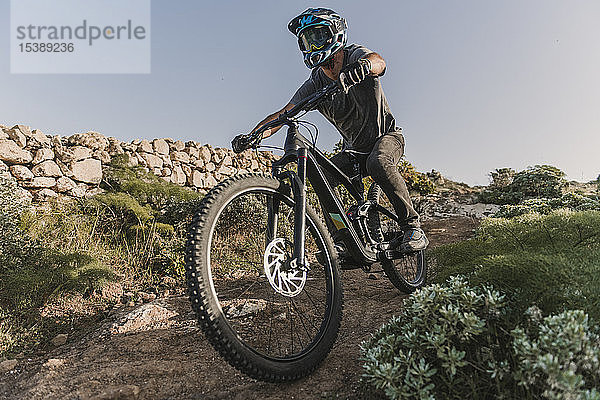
(409, 272)
(267, 318)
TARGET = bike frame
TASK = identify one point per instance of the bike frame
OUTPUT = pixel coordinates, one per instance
(311, 164)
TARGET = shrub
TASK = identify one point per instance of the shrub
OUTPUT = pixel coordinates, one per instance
(145, 216)
(510, 187)
(454, 341)
(547, 260)
(437, 345)
(570, 201)
(32, 274)
(557, 357)
(13, 243)
(415, 181)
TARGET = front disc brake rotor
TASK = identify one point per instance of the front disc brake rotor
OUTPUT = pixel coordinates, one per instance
(283, 279)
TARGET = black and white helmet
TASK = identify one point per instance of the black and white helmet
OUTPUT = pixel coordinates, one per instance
(321, 33)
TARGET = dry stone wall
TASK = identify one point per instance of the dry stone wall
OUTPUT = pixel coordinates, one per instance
(51, 166)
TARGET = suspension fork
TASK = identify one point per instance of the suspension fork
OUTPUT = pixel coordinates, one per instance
(299, 189)
(298, 184)
(272, 218)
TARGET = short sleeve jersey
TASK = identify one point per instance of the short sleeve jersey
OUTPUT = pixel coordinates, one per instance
(362, 115)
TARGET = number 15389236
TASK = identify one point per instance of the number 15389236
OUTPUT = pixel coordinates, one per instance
(46, 47)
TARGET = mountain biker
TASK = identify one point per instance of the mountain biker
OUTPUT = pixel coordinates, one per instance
(362, 115)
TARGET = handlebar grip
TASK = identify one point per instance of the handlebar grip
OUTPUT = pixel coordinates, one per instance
(239, 143)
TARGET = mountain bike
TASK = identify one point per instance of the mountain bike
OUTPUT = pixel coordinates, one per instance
(262, 268)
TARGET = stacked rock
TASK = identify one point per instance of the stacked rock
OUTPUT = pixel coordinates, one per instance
(49, 166)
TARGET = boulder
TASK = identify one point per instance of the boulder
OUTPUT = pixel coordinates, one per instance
(60, 339)
(47, 168)
(227, 160)
(210, 181)
(45, 195)
(24, 195)
(160, 146)
(199, 163)
(180, 156)
(3, 134)
(17, 136)
(217, 156)
(93, 191)
(11, 153)
(210, 166)
(92, 140)
(88, 171)
(43, 154)
(205, 153)
(193, 152)
(197, 179)
(145, 146)
(179, 145)
(75, 153)
(8, 365)
(103, 156)
(65, 184)
(79, 190)
(152, 161)
(225, 170)
(132, 159)
(38, 139)
(144, 318)
(115, 146)
(21, 172)
(40, 182)
(178, 176)
(166, 160)
(24, 129)
(64, 168)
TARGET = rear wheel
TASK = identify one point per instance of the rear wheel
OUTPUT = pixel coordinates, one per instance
(268, 319)
(409, 272)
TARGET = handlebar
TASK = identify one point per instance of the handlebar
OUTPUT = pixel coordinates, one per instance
(253, 139)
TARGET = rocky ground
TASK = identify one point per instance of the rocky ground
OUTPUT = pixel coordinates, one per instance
(156, 350)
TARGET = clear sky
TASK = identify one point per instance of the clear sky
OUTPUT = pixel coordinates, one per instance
(476, 84)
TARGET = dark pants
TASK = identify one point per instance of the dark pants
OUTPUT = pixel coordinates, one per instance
(382, 165)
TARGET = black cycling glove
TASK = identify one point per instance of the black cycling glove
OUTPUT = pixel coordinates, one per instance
(354, 73)
(240, 143)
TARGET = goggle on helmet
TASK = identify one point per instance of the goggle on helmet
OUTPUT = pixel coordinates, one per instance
(321, 33)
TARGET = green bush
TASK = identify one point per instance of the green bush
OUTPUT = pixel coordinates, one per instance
(415, 181)
(557, 357)
(13, 243)
(32, 274)
(145, 216)
(570, 201)
(548, 260)
(510, 187)
(454, 341)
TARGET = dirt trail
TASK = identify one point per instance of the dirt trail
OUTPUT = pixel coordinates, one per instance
(171, 359)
